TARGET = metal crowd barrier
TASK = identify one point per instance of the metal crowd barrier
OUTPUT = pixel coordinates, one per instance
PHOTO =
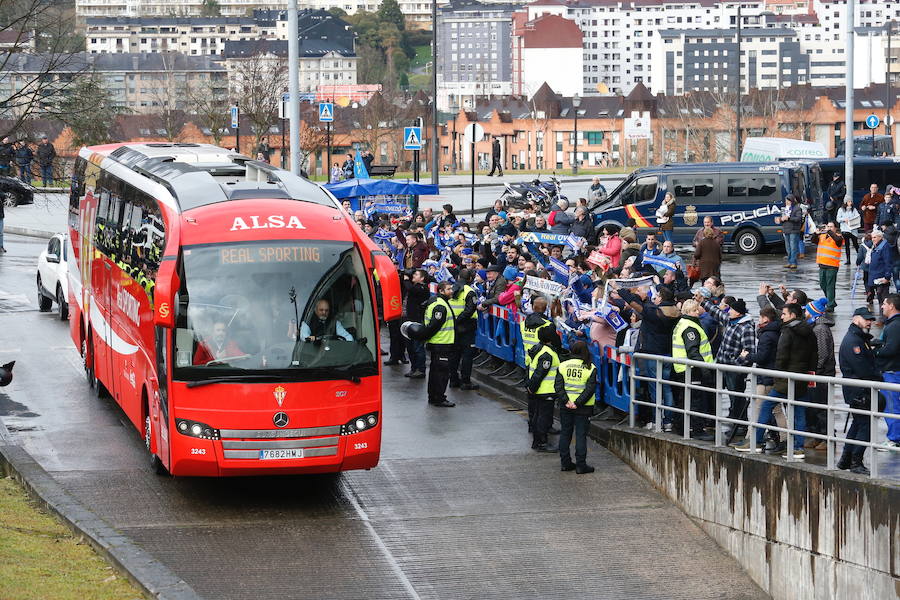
(750, 395)
(499, 335)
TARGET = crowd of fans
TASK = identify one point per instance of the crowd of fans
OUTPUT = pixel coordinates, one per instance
(609, 288)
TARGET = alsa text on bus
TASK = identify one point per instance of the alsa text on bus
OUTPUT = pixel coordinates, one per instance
(748, 215)
(271, 222)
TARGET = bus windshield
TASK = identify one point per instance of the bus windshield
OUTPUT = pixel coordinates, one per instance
(288, 310)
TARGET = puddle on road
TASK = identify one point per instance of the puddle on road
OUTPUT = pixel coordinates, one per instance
(11, 408)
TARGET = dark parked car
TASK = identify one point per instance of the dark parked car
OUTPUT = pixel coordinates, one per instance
(14, 192)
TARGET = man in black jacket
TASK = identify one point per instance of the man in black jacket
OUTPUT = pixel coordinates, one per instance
(857, 359)
(658, 319)
(45, 155)
(797, 352)
(464, 303)
(7, 154)
(495, 158)
(415, 288)
(836, 192)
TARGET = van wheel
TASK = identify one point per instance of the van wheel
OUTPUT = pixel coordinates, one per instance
(748, 241)
(155, 463)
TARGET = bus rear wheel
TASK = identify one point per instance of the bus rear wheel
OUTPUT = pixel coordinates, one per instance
(748, 241)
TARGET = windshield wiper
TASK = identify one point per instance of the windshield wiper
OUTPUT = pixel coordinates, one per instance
(228, 378)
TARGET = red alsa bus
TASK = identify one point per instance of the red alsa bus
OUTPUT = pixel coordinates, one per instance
(230, 308)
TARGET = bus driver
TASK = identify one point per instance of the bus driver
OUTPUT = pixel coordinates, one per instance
(322, 324)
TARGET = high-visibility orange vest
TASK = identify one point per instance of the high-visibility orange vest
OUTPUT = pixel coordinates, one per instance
(829, 253)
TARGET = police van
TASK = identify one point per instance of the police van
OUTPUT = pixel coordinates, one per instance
(743, 199)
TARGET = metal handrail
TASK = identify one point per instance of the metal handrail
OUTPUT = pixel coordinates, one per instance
(830, 407)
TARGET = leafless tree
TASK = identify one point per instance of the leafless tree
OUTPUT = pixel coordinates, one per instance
(313, 140)
(39, 65)
(168, 97)
(208, 101)
(259, 81)
(381, 121)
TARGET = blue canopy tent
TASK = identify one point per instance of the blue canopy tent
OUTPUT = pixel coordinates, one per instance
(385, 190)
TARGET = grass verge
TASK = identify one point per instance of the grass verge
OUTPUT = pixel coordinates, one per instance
(40, 558)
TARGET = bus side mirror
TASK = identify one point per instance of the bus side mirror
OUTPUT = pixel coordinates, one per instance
(167, 283)
(389, 281)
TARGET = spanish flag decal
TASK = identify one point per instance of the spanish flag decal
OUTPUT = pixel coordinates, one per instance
(632, 211)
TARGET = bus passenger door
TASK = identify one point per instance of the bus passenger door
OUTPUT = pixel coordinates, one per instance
(159, 402)
(109, 360)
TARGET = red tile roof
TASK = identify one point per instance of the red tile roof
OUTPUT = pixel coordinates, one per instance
(551, 31)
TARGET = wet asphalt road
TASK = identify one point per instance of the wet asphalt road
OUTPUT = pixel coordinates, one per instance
(459, 506)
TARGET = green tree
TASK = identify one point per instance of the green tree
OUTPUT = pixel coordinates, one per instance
(389, 12)
(338, 12)
(89, 111)
(210, 8)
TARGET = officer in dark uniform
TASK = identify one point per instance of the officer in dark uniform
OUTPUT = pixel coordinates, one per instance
(857, 359)
(439, 336)
(544, 386)
(464, 303)
(579, 379)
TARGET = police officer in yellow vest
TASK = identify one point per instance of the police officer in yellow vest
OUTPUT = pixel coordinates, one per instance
(529, 329)
(579, 378)
(464, 303)
(828, 257)
(544, 386)
(689, 341)
(533, 323)
(439, 336)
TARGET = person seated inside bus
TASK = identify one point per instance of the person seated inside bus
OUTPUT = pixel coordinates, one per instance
(322, 324)
(217, 346)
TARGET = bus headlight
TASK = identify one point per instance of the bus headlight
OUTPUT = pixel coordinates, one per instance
(361, 423)
(196, 429)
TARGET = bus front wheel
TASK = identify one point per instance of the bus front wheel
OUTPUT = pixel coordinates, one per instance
(155, 463)
(748, 241)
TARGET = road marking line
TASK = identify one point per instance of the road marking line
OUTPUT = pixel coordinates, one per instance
(392, 561)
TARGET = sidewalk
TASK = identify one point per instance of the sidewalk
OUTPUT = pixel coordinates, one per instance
(44, 218)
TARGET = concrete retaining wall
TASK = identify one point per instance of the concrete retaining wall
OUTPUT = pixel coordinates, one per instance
(800, 532)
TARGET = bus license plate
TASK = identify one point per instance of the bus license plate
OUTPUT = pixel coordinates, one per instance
(283, 453)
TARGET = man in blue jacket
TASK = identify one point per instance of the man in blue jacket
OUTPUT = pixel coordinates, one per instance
(881, 267)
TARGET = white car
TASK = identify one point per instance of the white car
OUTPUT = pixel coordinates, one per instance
(52, 276)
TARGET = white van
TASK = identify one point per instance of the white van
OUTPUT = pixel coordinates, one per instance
(771, 149)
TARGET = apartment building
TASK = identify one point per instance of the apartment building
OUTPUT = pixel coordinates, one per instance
(137, 81)
(195, 36)
(85, 9)
(474, 51)
(322, 62)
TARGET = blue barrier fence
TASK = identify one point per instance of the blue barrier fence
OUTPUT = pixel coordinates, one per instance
(499, 335)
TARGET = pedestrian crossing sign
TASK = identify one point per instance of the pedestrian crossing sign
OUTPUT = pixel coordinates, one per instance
(326, 112)
(412, 138)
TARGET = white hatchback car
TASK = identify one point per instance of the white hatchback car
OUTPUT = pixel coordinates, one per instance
(52, 276)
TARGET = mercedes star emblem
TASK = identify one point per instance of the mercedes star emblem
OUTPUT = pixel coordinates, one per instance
(280, 419)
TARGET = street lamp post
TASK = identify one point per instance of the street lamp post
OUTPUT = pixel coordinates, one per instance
(576, 102)
(888, 100)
